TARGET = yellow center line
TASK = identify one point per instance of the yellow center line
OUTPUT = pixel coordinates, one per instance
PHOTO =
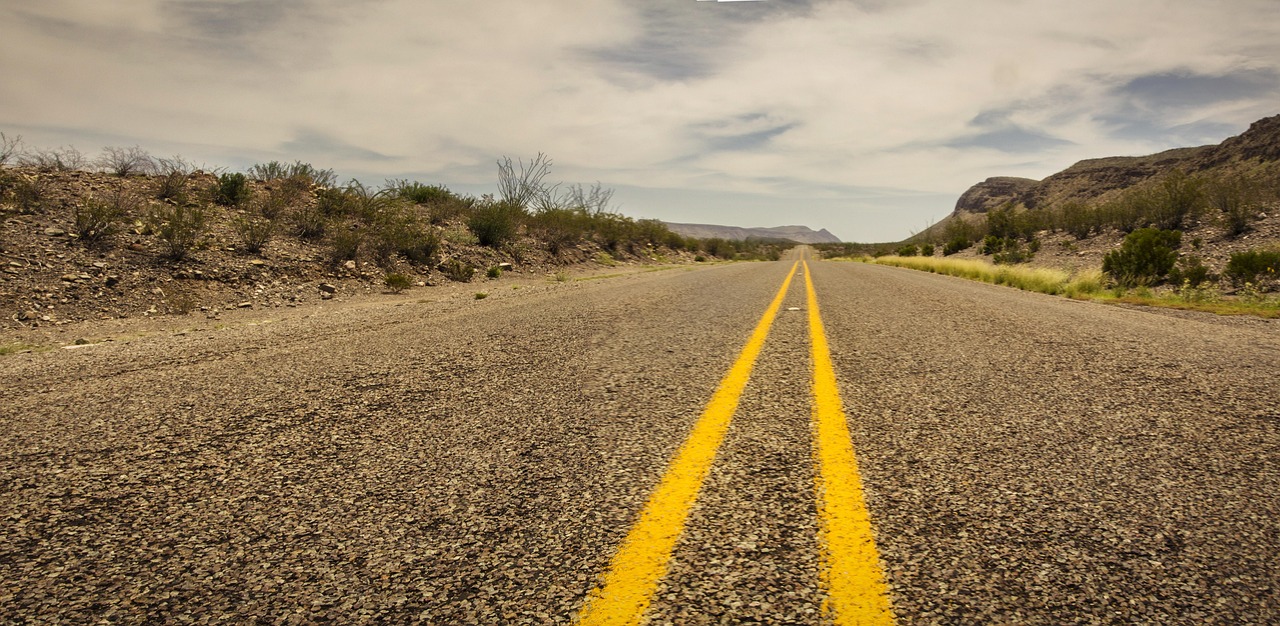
(851, 574)
(641, 561)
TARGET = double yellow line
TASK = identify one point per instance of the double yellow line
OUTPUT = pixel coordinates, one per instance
(851, 574)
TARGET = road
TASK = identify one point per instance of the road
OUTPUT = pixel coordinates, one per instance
(1023, 458)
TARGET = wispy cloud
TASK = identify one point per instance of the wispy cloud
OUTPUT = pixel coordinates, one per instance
(866, 116)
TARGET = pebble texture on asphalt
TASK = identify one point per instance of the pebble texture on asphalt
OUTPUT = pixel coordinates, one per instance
(1026, 459)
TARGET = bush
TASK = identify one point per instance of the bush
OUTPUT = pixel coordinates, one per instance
(97, 218)
(397, 282)
(254, 231)
(174, 175)
(1256, 267)
(419, 193)
(494, 272)
(344, 245)
(955, 245)
(907, 250)
(9, 147)
(276, 170)
(309, 222)
(926, 250)
(1236, 198)
(400, 232)
(63, 159)
(1146, 256)
(126, 161)
(559, 228)
(179, 227)
(1178, 197)
(1190, 271)
(459, 271)
(1077, 219)
(496, 223)
(333, 202)
(231, 190)
(30, 191)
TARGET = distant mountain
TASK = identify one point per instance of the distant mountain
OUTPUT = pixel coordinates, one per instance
(798, 234)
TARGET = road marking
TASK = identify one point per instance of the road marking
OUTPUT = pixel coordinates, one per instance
(851, 574)
(642, 559)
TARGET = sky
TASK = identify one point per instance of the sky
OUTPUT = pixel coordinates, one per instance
(865, 117)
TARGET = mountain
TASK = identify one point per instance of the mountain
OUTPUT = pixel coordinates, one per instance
(798, 234)
(1094, 180)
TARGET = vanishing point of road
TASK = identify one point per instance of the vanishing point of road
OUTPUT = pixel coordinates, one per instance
(796, 442)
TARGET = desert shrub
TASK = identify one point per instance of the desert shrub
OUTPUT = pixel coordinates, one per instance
(907, 250)
(419, 193)
(1258, 267)
(178, 226)
(955, 245)
(98, 217)
(231, 189)
(126, 161)
(1190, 271)
(366, 203)
(304, 172)
(456, 270)
(494, 224)
(30, 192)
(344, 244)
(401, 232)
(494, 272)
(1076, 218)
(615, 233)
(1235, 198)
(520, 189)
(275, 203)
(175, 174)
(309, 222)
(559, 228)
(1146, 256)
(333, 202)
(254, 230)
(397, 282)
(926, 249)
(64, 159)
(10, 147)
(1177, 197)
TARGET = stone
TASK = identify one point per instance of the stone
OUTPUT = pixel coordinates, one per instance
(257, 262)
(70, 278)
(506, 267)
(245, 305)
(326, 296)
(351, 265)
(112, 280)
(54, 231)
(27, 315)
(327, 288)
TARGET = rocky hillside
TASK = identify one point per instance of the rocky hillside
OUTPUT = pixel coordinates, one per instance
(78, 245)
(798, 234)
(1097, 180)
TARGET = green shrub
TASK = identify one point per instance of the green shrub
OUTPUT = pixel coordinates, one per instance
(459, 271)
(309, 222)
(926, 250)
(559, 228)
(1259, 267)
(907, 250)
(496, 223)
(97, 218)
(481, 295)
(231, 190)
(333, 202)
(494, 272)
(1146, 256)
(304, 172)
(1178, 197)
(174, 174)
(1236, 199)
(419, 193)
(178, 226)
(956, 245)
(30, 192)
(1190, 271)
(397, 282)
(254, 231)
(344, 244)
(400, 232)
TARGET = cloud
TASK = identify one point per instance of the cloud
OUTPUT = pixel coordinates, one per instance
(776, 100)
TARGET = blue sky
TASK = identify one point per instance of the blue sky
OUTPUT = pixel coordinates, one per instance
(865, 117)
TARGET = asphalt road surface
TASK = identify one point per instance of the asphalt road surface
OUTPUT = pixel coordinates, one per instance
(1023, 458)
